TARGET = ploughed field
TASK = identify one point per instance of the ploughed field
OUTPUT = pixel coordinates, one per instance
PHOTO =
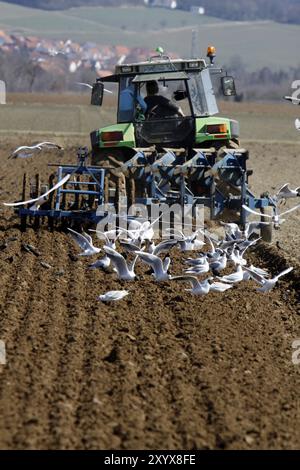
(160, 369)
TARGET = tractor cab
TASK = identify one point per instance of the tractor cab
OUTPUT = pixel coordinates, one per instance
(164, 103)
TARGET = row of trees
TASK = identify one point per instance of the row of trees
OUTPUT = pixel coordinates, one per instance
(287, 11)
(22, 75)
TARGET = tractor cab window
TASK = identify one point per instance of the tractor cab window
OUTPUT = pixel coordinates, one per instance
(170, 99)
(202, 94)
(130, 101)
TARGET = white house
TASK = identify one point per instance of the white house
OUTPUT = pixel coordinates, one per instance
(171, 4)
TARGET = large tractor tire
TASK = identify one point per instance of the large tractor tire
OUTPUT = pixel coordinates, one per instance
(115, 183)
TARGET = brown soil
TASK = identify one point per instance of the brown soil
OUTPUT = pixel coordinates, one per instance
(160, 369)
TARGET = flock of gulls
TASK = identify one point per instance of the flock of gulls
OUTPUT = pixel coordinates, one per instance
(138, 242)
(204, 273)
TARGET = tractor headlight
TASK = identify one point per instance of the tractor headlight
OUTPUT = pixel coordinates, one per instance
(216, 129)
(112, 136)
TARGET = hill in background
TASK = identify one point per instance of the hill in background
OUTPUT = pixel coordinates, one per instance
(259, 44)
(287, 11)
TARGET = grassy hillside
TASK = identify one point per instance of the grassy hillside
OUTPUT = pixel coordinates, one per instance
(259, 43)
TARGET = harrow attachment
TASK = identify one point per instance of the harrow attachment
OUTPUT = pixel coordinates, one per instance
(170, 176)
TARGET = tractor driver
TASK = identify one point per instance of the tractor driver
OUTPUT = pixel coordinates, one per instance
(129, 97)
(158, 106)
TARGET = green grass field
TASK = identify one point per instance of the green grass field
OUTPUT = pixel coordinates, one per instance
(258, 43)
(55, 114)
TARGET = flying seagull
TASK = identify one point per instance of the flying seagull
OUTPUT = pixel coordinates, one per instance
(87, 85)
(160, 267)
(285, 192)
(37, 202)
(124, 271)
(85, 242)
(292, 99)
(28, 150)
(266, 284)
(276, 218)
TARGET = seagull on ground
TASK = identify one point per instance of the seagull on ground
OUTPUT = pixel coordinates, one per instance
(297, 124)
(187, 243)
(199, 268)
(198, 288)
(28, 150)
(113, 295)
(238, 276)
(125, 271)
(218, 265)
(85, 242)
(237, 254)
(220, 287)
(267, 284)
(38, 201)
(111, 236)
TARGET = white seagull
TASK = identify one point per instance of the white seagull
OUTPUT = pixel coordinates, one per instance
(235, 277)
(162, 247)
(198, 288)
(218, 265)
(232, 230)
(160, 267)
(38, 201)
(220, 287)
(113, 295)
(285, 192)
(252, 227)
(297, 124)
(199, 268)
(87, 85)
(267, 284)
(125, 272)
(276, 218)
(85, 242)
(27, 151)
(188, 243)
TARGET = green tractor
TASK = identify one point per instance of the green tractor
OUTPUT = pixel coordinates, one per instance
(168, 144)
(184, 82)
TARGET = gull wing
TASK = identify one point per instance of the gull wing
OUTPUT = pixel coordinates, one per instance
(192, 279)
(117, 259)
(80, 239)
(154, 261)
(290, 210)
(31, 201)
(257, 277)
(164, 246)
(283, 273)
(254, 212)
